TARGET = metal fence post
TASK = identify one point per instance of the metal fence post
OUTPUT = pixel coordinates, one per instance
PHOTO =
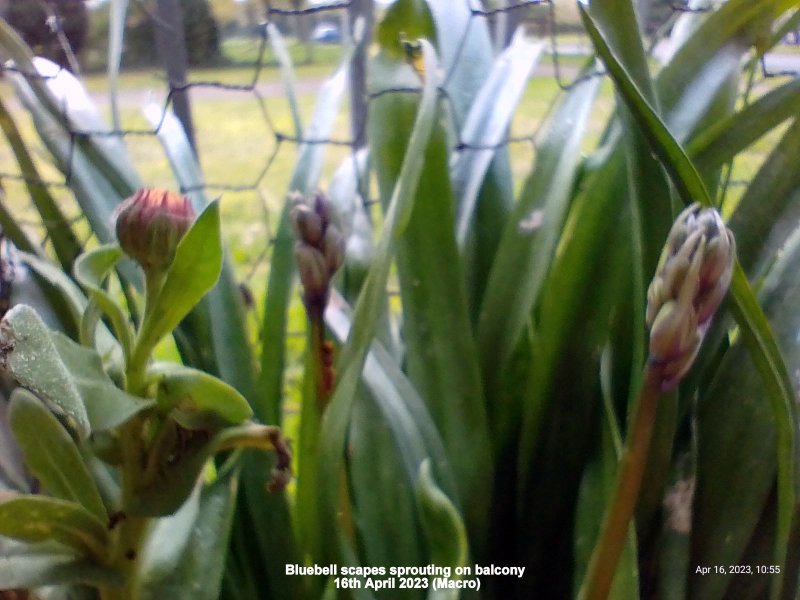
(171, 43)
(358, 70)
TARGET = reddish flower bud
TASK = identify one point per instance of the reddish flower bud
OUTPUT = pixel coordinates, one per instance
(150, 224)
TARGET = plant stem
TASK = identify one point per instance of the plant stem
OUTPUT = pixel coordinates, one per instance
(132, 533)
(128, 553)
(607, 550)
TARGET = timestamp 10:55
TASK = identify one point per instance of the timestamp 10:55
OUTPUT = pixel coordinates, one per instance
(747, 569)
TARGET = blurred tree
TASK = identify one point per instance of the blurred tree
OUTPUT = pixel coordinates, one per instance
(55, 29)
(199, 26)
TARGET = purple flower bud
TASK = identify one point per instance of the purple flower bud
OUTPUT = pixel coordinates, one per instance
(150, 224)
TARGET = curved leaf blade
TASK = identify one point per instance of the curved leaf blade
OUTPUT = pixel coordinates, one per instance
(370, 305)
(51, 454)
(755, 328)
(33, 518)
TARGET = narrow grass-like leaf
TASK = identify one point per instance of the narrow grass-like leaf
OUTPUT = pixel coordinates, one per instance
(370, 303)
(34, 518)
(487, 124)
(464, 44)
(682, 172)
(530, 237)
(388, 526)
(116, 36)
(65, 243)
(51, 454)
(197, 573)
(771, 192)
(444, 529)
(64, 105)
(11, 227)
(287, 74)
(756, 331)
(721, 142)
(405, 412)
(441, 353)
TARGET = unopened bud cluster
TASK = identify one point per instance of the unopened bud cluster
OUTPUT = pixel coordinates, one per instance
(150, 224)
(693, 275)
(319, 251)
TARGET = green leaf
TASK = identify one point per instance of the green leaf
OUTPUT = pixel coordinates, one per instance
(287, 74)
(51, 454)
(737, 462)
(755, 328)
(387, 525)
(530, 237)
(59, 231)
(91, 270)
(447, 535)
(405, 412)
(14, 231)
(107, 406)
(441, 354)
(187, 552)
(27, 352)
(464, 44)
(682, 172)
(194, 393)
(722, 141)
(770, 194)
(32, 518)
(76, 302)
(195, 270)
(487, 124)
(25, 566)
(369, 307)
(116, 36)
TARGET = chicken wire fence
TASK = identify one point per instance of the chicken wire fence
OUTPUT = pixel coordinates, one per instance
(262, 139)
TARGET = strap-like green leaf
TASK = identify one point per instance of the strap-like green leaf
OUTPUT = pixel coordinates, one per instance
(444, 528)
(65, 243)
(487, 124)
(755, 328)
(370, 304)
(191, 569)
